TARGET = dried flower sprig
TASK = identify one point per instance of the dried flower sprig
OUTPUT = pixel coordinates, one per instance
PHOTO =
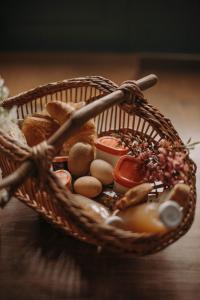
(167, 164)
(162, 161)
(191, 145)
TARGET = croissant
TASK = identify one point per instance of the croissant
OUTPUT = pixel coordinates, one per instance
(38, 128)
(61, 112)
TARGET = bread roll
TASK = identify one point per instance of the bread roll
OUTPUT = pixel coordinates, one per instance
(69, 144)
(61, 112)
(38, 128)
(86, 134)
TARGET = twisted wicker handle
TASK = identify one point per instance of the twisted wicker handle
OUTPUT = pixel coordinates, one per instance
(28, 168)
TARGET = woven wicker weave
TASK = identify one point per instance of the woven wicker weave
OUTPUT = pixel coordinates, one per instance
(141, 118)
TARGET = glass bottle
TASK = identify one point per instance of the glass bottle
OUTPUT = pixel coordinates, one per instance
(149, 217)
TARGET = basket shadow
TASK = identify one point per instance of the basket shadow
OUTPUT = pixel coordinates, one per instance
(67, 266)
(39, 258)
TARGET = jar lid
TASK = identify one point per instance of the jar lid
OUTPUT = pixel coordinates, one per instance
(64, 176)
(128, 171)
(111, 145)
(170, 213)
(60, 159)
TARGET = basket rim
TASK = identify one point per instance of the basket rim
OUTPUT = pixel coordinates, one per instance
(99, 82)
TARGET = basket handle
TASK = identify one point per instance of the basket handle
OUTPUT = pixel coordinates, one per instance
(12, 182)
(93, 109)
(147, 82)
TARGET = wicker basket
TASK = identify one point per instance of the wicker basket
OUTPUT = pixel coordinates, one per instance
(140, 118)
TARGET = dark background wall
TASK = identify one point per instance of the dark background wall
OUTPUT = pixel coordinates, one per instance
(112, 25)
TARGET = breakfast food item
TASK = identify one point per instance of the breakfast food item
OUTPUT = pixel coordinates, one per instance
(38, 127)
(151, 217)
(128, 173)
(179, 193)
(109, 148)
(61, 112)
(64, 177)
(134, 196)
(86, 134)
(80, 157)
(96, 210)
(88, 186)
(102, 170)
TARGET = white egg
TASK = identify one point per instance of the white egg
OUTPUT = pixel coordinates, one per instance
(102, 170)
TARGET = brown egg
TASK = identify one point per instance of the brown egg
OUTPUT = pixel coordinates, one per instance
(102, 170)
(98, 211)
(88, 186)
(80, 157)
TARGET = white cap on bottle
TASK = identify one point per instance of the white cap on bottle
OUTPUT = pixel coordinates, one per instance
(114, 221)
(170, 213)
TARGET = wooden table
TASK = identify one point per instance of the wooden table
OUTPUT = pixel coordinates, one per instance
(39, 262)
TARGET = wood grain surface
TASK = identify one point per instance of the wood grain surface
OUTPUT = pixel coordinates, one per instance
(38, 261)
